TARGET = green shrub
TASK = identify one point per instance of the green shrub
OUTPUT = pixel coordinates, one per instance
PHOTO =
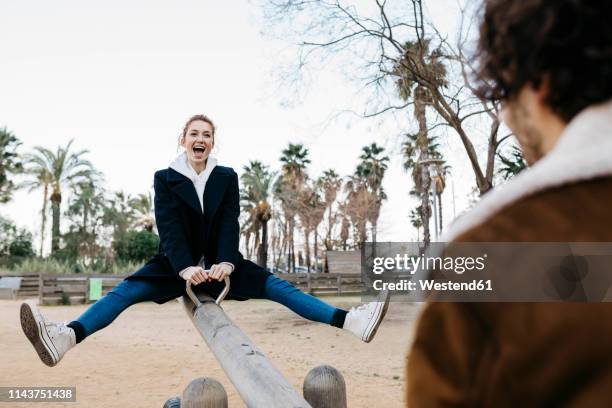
(21, 245)
(64, 299)
(136, 246)
(14, 242)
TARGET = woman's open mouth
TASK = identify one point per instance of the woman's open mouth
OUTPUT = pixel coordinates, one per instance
(198, 151)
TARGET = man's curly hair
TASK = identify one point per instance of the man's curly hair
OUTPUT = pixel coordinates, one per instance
(567, 43)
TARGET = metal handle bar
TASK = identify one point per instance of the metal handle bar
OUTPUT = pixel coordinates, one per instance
(220, 298)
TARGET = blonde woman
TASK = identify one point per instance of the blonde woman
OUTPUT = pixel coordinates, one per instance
(196, 210)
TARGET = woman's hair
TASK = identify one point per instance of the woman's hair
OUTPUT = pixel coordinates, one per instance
(565, 43)
(203, 118)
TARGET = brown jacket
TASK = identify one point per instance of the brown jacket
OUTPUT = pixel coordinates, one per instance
(528, 354)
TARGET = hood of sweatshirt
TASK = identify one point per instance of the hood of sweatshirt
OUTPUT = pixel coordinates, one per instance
(181, 165)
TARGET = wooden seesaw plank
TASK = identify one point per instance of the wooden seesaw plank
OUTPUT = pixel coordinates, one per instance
(257, 381)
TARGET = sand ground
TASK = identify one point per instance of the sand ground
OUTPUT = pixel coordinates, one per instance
(151, 352)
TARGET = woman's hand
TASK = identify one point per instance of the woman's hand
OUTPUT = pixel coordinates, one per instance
(195, 275)
(220, 271)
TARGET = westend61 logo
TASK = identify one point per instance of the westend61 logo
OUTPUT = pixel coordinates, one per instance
(489, 271)
(412, 264)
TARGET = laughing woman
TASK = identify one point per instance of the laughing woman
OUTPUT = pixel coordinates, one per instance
(196, 210)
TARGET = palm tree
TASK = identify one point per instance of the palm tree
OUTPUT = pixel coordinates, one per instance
(86, 213)
(330, 182)
(437, 172)
(246, 231)
(372, 168)
(419, 71)
(8, 163)
(142, 205)
(40, 178)
(255, 196)
(287, 188)
(119, 216)
(311, 212)
(416, 220)
(87, 202)
(56, 170)
(512, 164)
(359, 202)
(295, 160)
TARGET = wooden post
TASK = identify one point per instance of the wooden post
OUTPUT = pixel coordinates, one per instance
(324, 387)
(204, 393)
(258, 382)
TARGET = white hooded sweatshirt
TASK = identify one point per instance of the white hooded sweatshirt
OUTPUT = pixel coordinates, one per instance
(181, 165)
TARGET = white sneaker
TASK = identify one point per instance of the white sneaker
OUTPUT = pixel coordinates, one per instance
(50, 340)
(363, 321)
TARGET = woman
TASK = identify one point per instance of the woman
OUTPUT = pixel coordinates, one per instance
(196, 210)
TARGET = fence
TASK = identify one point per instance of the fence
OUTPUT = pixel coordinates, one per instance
(326, 283)
(53, 289)
(72, 289)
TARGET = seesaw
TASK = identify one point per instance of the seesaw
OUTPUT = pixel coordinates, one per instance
(259, 383)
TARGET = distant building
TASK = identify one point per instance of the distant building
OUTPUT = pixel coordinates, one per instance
(343, 262)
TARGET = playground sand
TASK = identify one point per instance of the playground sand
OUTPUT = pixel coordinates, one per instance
(151, 352)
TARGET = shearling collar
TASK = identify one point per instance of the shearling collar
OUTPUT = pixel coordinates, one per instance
(583, 152)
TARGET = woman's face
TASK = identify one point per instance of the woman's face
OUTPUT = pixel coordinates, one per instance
(198, 143)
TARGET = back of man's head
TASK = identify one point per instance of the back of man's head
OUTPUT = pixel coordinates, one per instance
(564, 44)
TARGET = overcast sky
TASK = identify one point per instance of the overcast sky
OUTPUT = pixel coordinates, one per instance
(122, 77)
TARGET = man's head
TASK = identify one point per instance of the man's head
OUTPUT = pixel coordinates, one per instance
(546, 61)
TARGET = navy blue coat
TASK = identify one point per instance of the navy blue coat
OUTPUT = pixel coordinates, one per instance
(186, 234)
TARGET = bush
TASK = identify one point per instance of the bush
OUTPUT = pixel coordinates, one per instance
(21, 245)
(14, 242)
(136, 246)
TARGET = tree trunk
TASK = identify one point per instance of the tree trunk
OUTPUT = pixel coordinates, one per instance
(425, 207)
(307, 248)
(85, 217)
(423, 146)
(247, 242)
(43, 223)
(257, 243)
(450, 116)
(262, 253)
(363, 233)
(329, 229)
(291, 264)
(344, 233)
(316, 250)
(492, 149)
(440, 211)
(56, 199)
(374, 227)
(287, 249)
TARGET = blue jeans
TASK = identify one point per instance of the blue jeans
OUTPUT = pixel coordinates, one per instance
(129, 292)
